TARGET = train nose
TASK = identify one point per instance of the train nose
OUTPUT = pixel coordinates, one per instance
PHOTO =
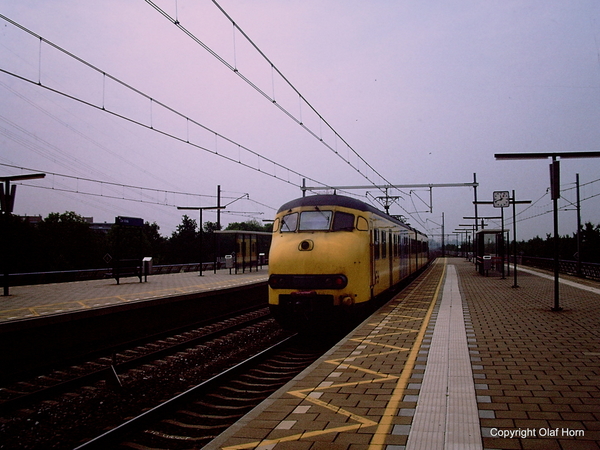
(306, 245)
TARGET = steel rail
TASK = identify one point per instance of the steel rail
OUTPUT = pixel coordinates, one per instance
(112, 437)
(110, 372)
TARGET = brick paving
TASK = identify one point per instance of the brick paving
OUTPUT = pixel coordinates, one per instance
(539, 370)
(32, 301)
(355, 396)
(536, 373)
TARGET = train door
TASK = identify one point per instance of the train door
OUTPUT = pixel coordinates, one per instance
(390, 257)
(417, 250)
(373, 243)
(405, 254)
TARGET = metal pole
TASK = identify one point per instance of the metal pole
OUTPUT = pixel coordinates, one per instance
(475, 242)
(215, 246)
(578, 227)
(201, 236)
(443, 244)
(6, 210)
(6, 257)
(515, 285)
(502, 246)
(555, 188)
(7, 198)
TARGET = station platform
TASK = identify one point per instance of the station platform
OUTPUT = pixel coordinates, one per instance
(26, 302)
(455, 361)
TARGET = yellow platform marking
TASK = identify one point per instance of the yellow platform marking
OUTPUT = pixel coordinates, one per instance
(383, 427)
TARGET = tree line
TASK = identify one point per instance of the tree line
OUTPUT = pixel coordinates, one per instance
(66, 241)
(544, 248)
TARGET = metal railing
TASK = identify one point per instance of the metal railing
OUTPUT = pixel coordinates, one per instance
(587, 270)
(63, 276)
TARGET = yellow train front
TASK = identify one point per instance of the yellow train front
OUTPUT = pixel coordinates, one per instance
(332, 255)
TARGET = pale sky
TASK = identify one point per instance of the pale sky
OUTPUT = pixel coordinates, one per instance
(424, 92)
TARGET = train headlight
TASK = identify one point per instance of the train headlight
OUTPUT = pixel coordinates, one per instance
(306, 245)
(347, 300)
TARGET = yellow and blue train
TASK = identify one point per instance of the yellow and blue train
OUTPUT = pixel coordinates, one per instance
(331, 256)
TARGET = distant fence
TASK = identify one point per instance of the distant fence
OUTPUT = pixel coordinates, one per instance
(21, 279)
(588, 270)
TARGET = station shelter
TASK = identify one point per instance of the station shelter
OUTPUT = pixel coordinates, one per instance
(244, 249)
(491, 250)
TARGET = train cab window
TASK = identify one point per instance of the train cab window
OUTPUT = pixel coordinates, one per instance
(315, 220)
(289, 223)
(362, 224)
(343, 222)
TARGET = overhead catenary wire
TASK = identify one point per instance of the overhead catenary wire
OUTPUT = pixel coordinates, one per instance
(153, 126)
(547, 207)
(78, 190)
(302, 99)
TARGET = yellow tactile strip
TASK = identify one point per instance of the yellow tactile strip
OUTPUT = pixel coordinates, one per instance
(352, 396)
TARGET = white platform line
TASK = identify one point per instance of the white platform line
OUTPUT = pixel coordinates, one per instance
(446, 416)
(562, 281)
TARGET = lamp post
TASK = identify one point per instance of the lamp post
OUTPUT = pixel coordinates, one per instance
(7, 200)
(555, 190)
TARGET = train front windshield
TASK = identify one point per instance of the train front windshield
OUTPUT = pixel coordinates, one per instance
(317, 221)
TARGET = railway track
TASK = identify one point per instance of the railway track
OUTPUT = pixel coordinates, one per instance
(66, 407)
(108, 368)
(200, 414)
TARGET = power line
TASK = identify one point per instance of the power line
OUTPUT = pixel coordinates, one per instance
(318, 135)
(74, 130)
(141, 189)
(153, 103)
(108, 182)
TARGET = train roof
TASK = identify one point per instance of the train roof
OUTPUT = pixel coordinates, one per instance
(339, 200)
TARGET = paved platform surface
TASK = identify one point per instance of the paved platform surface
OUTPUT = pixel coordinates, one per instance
(455, 361)
(46, 299)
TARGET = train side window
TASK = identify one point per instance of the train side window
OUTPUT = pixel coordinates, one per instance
(315, 220)
(376, 243)
(383, 245)
(362, 224)
(276, 225)
(289, 223)
(343, 222)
